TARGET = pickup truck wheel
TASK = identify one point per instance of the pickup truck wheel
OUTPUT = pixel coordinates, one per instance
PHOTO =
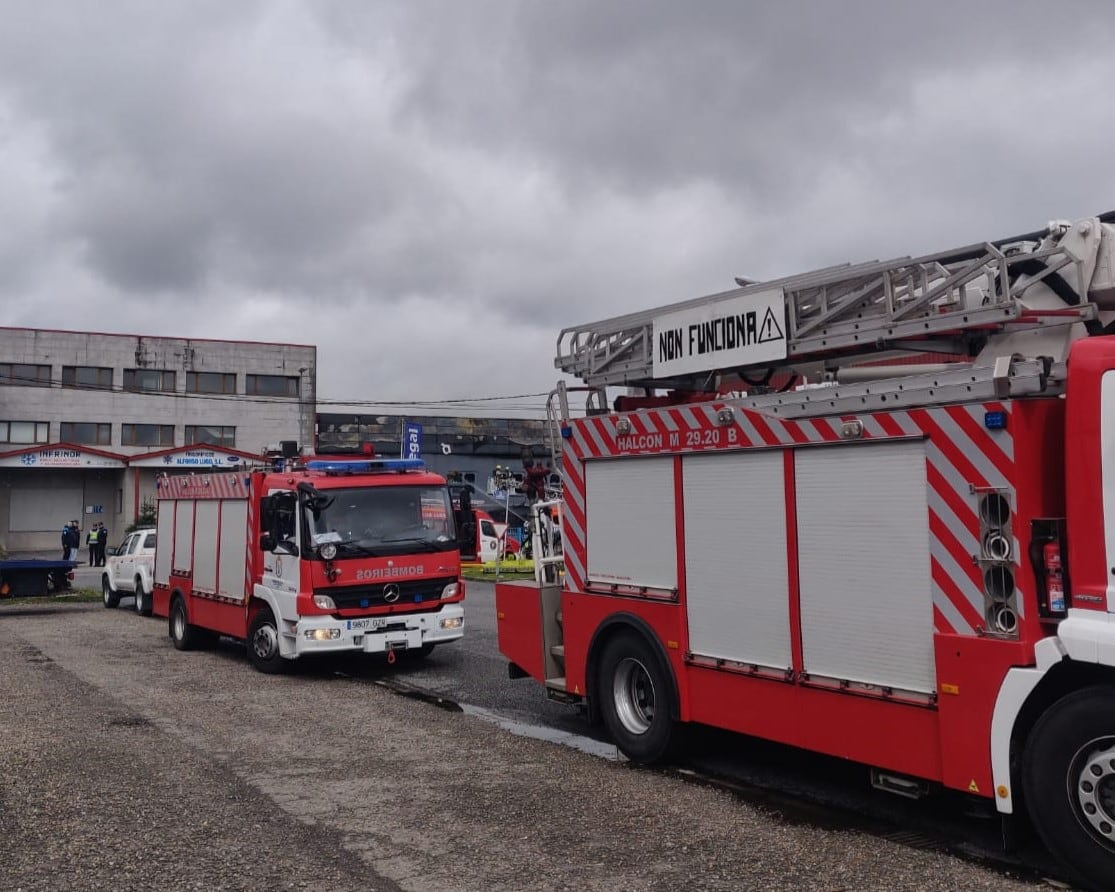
(263, 643)
(181, 632)
(108, 593)
(143, 599)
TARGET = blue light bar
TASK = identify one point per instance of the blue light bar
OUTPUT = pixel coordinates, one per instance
(995, 421)
(366, 466)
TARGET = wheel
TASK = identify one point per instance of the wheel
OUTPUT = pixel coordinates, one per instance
(108, 593)
(263, 643)
(143, 599)
(1068, 777)
(182, 633)
(635, 698)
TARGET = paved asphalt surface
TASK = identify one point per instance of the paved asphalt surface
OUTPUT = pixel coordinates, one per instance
(127, 764)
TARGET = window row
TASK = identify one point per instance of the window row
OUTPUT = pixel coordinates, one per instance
(95, 433)
(150, 380)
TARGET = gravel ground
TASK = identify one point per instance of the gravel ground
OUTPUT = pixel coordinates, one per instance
(125, 764)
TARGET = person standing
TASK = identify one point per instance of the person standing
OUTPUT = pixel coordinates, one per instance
(71, 540)
(102, 544)
(91, 544)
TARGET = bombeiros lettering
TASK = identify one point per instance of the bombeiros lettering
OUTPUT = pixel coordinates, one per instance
(389, 572)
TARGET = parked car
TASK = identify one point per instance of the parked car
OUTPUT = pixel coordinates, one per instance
(492, 541)
(129, 568)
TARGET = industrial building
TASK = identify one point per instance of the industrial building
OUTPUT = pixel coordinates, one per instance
(88, 420)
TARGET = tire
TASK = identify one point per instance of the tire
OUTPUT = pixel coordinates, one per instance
(635, 697)
(1068, 778)
(143, 599)
(109, 595)
(182, 633)
(263, 643)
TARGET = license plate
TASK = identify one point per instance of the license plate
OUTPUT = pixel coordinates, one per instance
(370, 624)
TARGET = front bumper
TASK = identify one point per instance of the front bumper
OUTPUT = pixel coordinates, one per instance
(324, 634)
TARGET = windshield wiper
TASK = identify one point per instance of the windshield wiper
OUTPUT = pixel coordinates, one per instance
(413, 540)
(357, 548)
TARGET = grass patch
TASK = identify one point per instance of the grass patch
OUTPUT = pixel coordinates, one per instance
(70, 596)
(508, 571)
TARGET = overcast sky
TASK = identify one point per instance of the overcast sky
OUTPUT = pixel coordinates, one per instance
(429, 191)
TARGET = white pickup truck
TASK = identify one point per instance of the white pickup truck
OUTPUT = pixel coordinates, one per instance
(129, 568)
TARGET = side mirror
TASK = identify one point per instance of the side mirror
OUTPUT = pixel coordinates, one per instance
(266, 542)
(287, 546)
(111, 550)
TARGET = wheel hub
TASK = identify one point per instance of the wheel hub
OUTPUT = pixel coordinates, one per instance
(265, 642)
(1095, 788)
(633, 694)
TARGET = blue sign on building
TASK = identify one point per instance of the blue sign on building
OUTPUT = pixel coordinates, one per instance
(412, 441)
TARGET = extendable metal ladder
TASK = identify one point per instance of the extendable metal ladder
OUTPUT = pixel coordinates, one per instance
(949, 302)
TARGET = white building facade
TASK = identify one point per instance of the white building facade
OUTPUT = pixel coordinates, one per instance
(88, 420)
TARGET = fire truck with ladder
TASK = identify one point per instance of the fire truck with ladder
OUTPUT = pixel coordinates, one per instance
(912, 567)
(318, 556)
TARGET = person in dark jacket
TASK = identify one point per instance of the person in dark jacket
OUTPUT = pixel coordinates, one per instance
(102, 544)
(71, 541)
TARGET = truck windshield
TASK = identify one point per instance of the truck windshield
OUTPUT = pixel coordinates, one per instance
(380, 520)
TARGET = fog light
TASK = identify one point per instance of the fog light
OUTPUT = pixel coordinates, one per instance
(323, 634)
(453, 622)
(450, 591)
(324, 602)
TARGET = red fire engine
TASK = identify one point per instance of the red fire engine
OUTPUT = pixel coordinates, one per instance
(322, 556)
(912, 567)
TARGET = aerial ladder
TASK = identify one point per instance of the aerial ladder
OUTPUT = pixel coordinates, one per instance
(1004, 313)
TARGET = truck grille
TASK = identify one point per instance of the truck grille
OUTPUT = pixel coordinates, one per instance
(411, 591)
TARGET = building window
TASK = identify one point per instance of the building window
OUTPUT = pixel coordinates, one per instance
(24, 373)
(90, 433)
(210, 435)
(210, 382)
(149, 380)
(24, 432)
(86, 376)
(147, 434)
(271, 385)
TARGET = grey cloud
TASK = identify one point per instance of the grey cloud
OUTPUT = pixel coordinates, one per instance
(386, 174)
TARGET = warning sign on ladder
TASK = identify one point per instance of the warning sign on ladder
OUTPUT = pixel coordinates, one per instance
(738, 331)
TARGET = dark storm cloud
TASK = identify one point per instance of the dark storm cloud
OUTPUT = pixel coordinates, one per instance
(471, 177)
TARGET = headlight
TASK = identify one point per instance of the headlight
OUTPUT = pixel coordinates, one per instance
(323, 634)
(324, 602)
(452, 622)
(450, 591)
(328, 551)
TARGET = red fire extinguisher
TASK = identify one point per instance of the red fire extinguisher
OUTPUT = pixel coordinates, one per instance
(1054, 578)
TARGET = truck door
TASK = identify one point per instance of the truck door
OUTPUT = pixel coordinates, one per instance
(281, 565)
(125, 567)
